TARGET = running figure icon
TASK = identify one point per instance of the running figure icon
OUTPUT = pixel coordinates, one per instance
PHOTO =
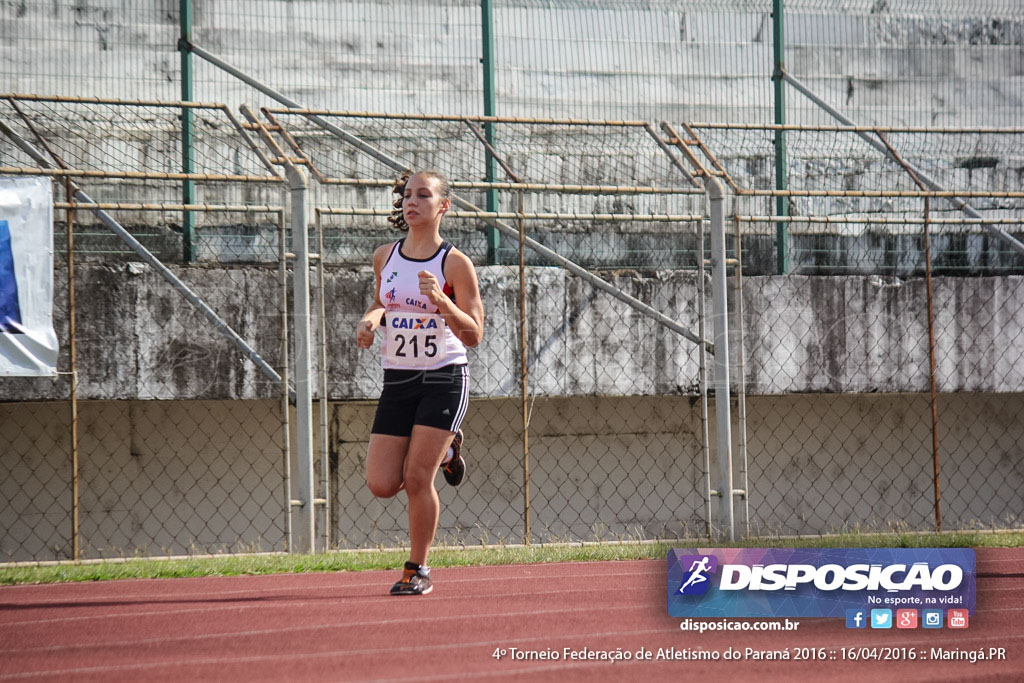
(697, 573)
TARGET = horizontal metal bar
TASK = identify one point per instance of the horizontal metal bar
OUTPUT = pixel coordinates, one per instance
(610, 217)
(539, 187)
(258, 126)
(175, 558)
(511, 215)
(852, 129)
(736, 492)
(245, 208)
(129, 206)
(595, 189)
(878, 220)
(458, 119)
(135, 175)
(301, 503)
(26, 97)
(944, 194)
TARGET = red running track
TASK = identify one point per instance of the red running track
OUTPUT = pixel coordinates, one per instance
(344, 626)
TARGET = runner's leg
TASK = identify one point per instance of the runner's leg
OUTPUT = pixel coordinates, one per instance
(426, 448)
(385, 461)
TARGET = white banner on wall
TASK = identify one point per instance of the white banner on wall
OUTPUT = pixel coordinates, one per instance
(28, 344)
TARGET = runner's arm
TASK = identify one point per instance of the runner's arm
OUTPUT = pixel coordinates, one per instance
(371, 319)
(465, 315)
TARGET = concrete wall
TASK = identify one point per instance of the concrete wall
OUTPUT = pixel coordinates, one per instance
(139, 339)
(155, 478)
(867, 334)
(181, 440)
(172, 477)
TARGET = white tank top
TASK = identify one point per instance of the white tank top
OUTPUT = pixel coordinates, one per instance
(415, 330)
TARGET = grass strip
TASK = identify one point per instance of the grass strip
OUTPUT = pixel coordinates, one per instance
(449, 556)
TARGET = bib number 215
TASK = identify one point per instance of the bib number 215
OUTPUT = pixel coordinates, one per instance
(415, 339)
(410, 348)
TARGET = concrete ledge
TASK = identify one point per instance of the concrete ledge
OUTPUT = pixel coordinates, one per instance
(139, 339)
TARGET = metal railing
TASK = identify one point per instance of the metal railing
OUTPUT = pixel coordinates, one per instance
(590, 416)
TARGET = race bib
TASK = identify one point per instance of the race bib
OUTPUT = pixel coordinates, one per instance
(414, 340)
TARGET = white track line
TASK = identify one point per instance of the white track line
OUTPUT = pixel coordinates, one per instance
(88, 600)
(575, 667)
(486, 644)
(321, 601)
(312, 627)
(307, 655)
(206, 595)
(298, 601)
(356, 624)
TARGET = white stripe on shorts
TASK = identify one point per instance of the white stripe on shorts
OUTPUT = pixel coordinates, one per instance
(460, 414)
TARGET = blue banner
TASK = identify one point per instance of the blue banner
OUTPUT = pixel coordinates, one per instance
(28, 343)
(829, 582)
(10, 309)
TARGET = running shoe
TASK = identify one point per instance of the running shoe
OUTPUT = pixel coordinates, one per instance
(415, 580)
(455, 469)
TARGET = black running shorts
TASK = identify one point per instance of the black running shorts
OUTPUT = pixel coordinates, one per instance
(434, 398)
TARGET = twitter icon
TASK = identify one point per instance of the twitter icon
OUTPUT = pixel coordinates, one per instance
(881, 618)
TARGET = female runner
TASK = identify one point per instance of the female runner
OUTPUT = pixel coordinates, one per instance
(428, 298)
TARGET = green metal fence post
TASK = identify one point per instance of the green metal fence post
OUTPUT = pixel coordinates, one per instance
(487, 26)
(187, 94)
(781, 203)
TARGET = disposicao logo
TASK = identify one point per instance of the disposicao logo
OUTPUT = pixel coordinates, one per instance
(832, 582)
(696, 581)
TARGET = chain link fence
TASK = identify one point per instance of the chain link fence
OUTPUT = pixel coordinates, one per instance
(880, 395)
(530, 444)
(898, 62)
(588, 419)
(862, 258)
(170, 441)
(840, 423)
(176, 443)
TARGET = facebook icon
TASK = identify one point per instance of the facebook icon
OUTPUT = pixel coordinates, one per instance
(856, 618)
